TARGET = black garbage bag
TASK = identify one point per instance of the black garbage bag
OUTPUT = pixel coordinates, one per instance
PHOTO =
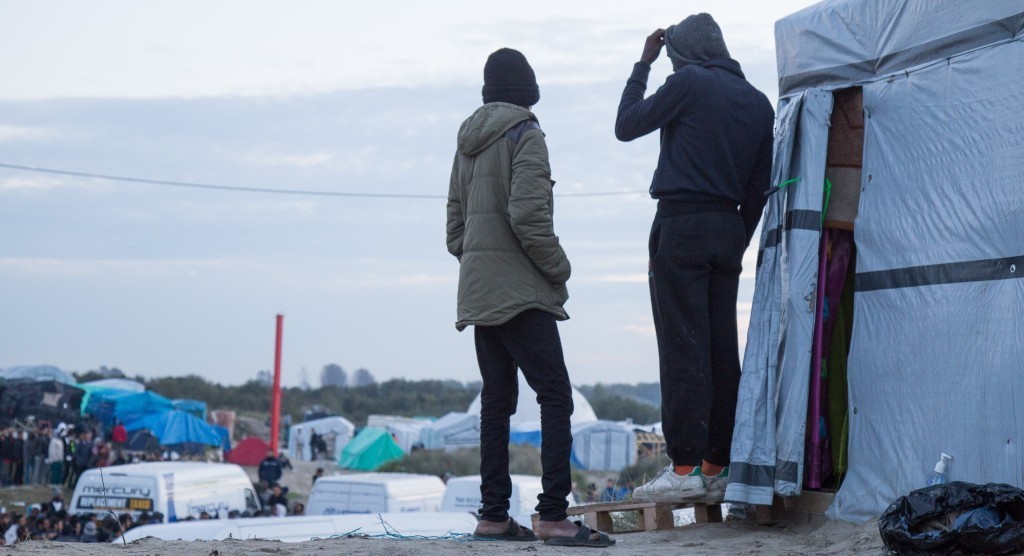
(956, 518)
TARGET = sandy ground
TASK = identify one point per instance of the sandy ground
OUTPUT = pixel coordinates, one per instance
(299, 479)
(833, 538)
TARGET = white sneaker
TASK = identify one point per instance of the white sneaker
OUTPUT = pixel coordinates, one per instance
(667, 486)
(716, 485)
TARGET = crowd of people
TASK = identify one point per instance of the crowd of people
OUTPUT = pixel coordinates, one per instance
(51, 520)
(42, 453)
(57, 455)
(272, 493)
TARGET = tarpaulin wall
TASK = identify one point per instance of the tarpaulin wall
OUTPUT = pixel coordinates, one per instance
(937, 346)
(768, 441)
(937, 350)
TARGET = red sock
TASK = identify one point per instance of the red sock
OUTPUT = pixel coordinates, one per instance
(711, 469)
(683, 469)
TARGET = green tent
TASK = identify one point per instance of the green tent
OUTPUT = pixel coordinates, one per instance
(370, 449)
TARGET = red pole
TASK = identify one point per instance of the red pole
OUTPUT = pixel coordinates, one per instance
(275, 399)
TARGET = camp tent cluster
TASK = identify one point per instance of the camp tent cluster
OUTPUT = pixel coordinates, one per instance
(597, 445)
(45, 392)
(886, 325)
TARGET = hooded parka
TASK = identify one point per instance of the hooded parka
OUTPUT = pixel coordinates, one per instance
(500, 226)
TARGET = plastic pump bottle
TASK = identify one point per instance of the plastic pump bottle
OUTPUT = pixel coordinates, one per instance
(939, 476)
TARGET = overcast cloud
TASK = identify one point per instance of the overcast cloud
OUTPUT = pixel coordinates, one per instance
(311, 96)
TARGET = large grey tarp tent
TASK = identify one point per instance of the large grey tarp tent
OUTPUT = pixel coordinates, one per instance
(603, 445)
(936, 351)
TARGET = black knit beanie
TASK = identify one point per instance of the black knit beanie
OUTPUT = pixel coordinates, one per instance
(508, 77)
(694, 40)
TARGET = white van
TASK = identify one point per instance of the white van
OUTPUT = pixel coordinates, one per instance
(463, 494)
(176, 489)
(362, 493)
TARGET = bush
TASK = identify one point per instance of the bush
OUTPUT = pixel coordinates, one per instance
(523, 460)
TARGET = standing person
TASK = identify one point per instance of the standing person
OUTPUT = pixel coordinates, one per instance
(314, 445)
(119, 435)
(40, 451)
(28, 456)
(270, 469)
(7, 457)
(81, 456)
(512, 275)
(55, 458)
(710, 183)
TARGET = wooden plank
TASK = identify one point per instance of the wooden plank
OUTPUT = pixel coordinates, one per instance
(712, 513)
(654, 515)
(664, 519)
(813, 501)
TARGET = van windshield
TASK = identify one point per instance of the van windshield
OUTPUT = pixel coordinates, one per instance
(252, 504)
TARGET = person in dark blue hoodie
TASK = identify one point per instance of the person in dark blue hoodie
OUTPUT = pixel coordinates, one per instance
(712, 177)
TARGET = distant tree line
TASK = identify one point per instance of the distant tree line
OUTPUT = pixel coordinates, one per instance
(393, 397)
(359, 396)
(640, 403)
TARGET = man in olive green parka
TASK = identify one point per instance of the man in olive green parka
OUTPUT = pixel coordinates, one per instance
(512, 275)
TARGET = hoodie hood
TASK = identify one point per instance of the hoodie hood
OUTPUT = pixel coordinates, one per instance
(488, 124)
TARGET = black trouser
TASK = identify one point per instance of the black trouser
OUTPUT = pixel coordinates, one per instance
(695, 267)
(530, 342)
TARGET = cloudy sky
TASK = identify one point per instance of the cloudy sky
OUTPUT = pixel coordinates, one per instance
(314, 101)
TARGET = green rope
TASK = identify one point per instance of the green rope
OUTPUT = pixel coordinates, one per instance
(828, 194)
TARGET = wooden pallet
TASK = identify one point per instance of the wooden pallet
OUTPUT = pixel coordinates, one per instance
(656, 515)
(649, 445)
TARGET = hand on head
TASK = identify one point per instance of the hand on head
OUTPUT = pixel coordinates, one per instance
(652, 46)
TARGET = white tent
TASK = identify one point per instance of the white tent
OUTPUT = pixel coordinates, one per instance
(527, 415)
(929, 95)
(337, 431)
(454, 430)
(405, 430)
(604, 445)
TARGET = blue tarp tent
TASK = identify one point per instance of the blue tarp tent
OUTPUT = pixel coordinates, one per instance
(195, 407)
(106, 405)
(176, 427)
(116, 384)
(225, 437)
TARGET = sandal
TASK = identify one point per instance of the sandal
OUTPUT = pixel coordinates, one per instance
(582, 538)
(514, 532)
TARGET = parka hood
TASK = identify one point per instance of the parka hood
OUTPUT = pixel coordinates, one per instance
(488, 124)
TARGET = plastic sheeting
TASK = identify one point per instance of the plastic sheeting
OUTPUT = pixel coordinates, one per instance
(38, 373)
(108, 405)
(176, 427)
(838, 42)
(370, 449)
(115, 384)
(603, 445)
(337, 428)
(196, 407)
(48, 400)
(938, 336)
(453, 430)
(768, 441)
(528, 410)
